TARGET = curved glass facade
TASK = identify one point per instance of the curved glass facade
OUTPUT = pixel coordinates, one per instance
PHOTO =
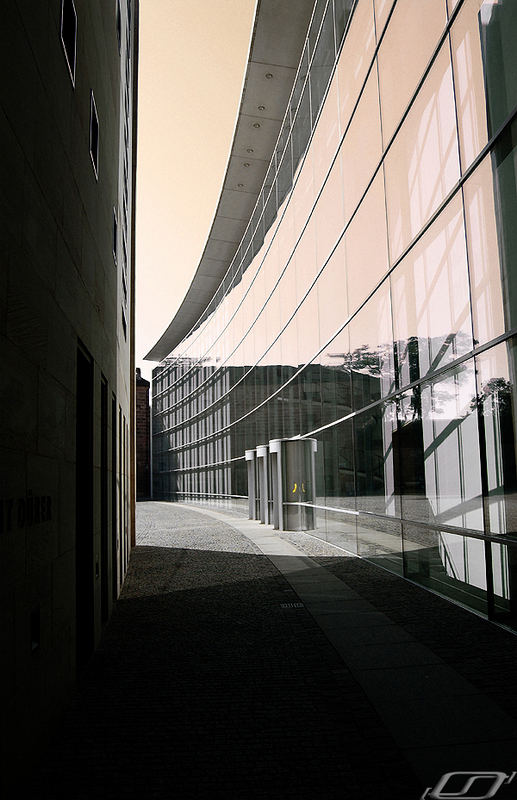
(372, 301)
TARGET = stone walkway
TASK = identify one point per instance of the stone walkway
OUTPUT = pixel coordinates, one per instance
(243, 664)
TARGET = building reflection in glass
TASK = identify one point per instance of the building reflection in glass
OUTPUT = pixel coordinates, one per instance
(376, 309)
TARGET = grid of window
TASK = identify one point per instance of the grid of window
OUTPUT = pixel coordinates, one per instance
(378, 312)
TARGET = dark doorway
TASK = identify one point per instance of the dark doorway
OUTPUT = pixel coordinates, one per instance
(114, 516)
(84, 551)
(104, 503)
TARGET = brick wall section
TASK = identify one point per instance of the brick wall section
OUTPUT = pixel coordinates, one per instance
(143, 444)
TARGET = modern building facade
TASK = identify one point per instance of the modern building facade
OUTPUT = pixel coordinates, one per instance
(142, 438)
(67, 128)
(371, 301)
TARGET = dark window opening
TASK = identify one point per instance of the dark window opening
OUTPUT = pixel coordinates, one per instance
(119, 26)
(124, 288)
(124, 248)
(104, 503)
(124, 324)
(115, 235)
(84, 542)
(94, 135)
(114, 520)
(69, 34)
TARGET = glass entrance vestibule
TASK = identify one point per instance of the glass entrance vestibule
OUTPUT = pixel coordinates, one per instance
(281, 483)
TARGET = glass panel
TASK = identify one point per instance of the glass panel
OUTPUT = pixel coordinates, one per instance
(371, 356)
(451, 456)
(366, 242)
(310, 398)
(315, 24)
(483, 250)
(469, 81)
(430, 291)
(323, 62)
(290, 404)
(335, 362)
(300, 78)
(450, 564)
(338, 450)
(329, 213)
(301, 128)
(274, 318)
(364, 137)
(422, 165)
(326, 136)
(382, 10)
(308, 328)
(504, 577)
(375, 477)
(380, 541)
(328, 392)
(332, 294)
(342, 10)
(498, 28)
(497, 406)
(274, 407)
(355, 59)
(270, 210)
(285, 176)
(289, 343)
(504, 170)
(305, 258)
(341, 530)
(406, 49)
(285, 236)
(283, 139)
(303, 194)
(485, 66)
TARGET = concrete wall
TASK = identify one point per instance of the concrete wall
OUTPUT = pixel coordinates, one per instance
(60, 288)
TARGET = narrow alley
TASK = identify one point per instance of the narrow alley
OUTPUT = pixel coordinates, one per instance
(216, 678)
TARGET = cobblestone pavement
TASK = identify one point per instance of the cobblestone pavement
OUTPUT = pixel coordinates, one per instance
(212, 682)
(209, 683)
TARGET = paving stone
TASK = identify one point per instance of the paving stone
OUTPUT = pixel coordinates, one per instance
(211, 681)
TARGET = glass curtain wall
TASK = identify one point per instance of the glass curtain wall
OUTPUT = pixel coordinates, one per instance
(372, 303)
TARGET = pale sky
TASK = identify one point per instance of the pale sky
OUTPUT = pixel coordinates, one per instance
(192, 61)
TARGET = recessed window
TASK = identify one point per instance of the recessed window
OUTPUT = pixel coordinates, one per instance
(124, 248)
(124, 289)
(94, 135)
(69, 34)
(119, 26)
(124, 324)
(115, 235)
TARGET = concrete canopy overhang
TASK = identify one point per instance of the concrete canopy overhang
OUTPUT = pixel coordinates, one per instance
(279, 31)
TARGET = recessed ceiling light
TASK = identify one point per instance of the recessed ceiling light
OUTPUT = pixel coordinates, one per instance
(256, 124)
(269, 75)
(250, 150)
(246, 164)
(262, 108)
(240, 186)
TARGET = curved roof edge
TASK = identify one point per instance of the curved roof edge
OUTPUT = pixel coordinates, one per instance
(275, 51)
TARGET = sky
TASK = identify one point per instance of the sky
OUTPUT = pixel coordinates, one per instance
(192, 60)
